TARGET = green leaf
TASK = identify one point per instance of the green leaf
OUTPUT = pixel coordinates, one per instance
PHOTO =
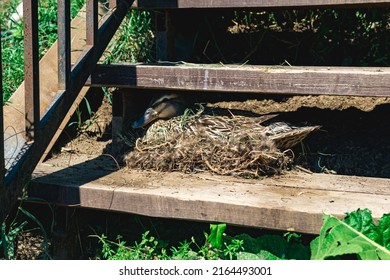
(298, 251)
(384, 229)
(89, 110)
(339, 238)
(216, 234)
(262, 255)
(275, 245)
(361, 220)
(247, 256)
(8, 239)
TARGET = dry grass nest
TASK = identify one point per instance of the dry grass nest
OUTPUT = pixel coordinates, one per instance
(233, 145)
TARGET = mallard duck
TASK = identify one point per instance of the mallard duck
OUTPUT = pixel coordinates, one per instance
(162, 107)
(283, 135)
(225, 144)
(172, 106)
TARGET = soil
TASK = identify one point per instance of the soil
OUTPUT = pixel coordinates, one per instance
(30, 246)
(294, 103)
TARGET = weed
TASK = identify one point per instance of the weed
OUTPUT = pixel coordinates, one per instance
(356, 234)
(233, 248)
(133, 40)
(81, 124)
(146, 249)
(12, 40)
(10, 233)
(184, 251)
(8, 238)
(149, 247)
(107, 95)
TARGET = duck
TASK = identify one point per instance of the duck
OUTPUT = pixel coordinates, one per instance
(163, 106)
(165, 114)
(213, 140)
(283, 135)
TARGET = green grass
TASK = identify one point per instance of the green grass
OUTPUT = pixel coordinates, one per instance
(133, 42)
(134, 39)
(357, 236)
(151, 248)
(22, 221)
(12, 40)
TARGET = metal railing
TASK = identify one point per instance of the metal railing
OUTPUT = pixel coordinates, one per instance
(2, 162)
(40, 129)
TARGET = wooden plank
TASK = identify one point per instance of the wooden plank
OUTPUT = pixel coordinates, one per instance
(294, 201)
(173, 4)
(352, 81)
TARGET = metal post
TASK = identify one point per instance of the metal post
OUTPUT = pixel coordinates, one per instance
(113, 3)
(92, 22)
(64, 46)
(31, 69)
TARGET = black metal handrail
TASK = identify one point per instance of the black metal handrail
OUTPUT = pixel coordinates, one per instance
(41, 129)
(2, 163)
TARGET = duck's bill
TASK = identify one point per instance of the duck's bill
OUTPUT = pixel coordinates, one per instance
(149, 116)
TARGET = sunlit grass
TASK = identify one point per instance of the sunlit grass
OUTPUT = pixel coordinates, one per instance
(134, 39)
(12, 40)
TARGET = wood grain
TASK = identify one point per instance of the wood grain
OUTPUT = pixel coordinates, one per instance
(295, 201)
(350, 81)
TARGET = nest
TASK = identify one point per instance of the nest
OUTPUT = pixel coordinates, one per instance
(233, 146)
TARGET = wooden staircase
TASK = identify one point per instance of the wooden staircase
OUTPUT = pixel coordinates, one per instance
(294, 201)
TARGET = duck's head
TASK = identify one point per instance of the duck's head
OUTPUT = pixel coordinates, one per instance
(163, 107)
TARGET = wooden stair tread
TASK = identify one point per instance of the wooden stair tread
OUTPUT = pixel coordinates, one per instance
(296, 200)
(298, 80)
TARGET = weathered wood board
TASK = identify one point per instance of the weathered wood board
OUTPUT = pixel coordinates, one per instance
(350, 81)
(294, 201)
(171, 4)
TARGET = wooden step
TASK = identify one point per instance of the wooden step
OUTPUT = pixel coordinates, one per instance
(294, 201)
(173, 4)
(352, 81)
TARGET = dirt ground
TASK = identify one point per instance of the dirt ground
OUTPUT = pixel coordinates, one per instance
(294, 103)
